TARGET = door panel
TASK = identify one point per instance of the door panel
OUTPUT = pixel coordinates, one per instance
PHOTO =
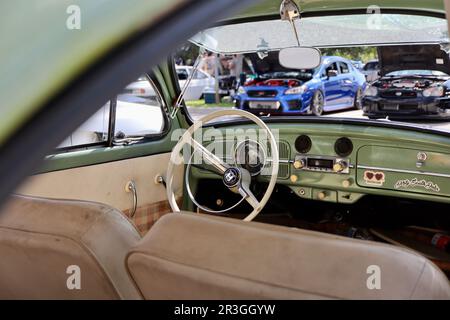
(333, 94)
(106, 183)
(347, 84)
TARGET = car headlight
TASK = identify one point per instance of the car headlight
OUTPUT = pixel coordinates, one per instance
(297, 90)
(434, 92)
(371, 91)
(241, 90)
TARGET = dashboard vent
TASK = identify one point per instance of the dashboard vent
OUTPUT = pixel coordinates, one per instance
(284, 150)
(283, 171)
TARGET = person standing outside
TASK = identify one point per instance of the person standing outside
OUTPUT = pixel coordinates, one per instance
(236, 67)
(208, 63)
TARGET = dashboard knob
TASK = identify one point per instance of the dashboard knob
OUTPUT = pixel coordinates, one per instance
(322, 195)
(299, 164)
(347, 183)
(339, 166)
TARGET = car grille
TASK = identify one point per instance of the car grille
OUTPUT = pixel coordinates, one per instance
(400, 107)
(262, 93)
(394, 94)
(409, 107)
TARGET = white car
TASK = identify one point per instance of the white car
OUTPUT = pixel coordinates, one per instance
(140, 88)
(199, 83)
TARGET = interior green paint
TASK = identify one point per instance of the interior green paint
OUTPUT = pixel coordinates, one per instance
(40, 55)
(271, 7)
(166, 69)
(93, 156)
(402, 158)
(324, 137)
(166, 74)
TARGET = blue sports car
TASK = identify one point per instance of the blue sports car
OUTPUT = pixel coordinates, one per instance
(336, 84)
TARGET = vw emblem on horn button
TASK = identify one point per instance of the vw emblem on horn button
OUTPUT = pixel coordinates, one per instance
(231, 177)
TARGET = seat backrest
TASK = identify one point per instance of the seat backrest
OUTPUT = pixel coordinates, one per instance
(60, 249)
(188, 256)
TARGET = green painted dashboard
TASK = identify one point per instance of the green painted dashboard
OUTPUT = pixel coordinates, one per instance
(383, 161)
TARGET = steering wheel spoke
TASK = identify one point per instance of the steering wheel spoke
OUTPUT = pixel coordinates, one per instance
(209, 157)
(249, 197)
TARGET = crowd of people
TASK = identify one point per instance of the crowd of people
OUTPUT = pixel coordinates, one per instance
(218, 65)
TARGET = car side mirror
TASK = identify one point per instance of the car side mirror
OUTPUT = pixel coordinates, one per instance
(332, 73)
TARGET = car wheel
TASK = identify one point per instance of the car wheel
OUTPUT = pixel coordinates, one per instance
(317, 103)
(358, 99)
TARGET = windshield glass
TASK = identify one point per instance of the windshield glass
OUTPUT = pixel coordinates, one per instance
(328, 31)
(379, 68)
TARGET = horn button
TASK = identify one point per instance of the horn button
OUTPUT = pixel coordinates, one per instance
(232, 177)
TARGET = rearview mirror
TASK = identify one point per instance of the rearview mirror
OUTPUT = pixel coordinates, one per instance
(300, 58)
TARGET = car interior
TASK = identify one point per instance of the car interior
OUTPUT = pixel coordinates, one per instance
(150, 201)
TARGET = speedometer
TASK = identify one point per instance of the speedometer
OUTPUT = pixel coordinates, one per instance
(250, 155)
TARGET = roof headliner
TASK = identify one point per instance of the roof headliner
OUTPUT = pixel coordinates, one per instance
(271, 7)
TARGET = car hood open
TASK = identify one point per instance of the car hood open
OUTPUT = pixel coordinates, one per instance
(267, 65)
(413, 57)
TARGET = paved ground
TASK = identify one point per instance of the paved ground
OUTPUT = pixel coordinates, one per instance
(198, 112)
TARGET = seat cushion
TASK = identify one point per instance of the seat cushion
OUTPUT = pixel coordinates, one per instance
(41, 238)
(192, 256)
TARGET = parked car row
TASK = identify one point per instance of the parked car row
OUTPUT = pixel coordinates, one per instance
(406, 82)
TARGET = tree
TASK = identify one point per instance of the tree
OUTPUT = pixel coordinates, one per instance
(352, 53)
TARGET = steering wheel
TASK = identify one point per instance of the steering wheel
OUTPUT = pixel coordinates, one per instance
(236, 179)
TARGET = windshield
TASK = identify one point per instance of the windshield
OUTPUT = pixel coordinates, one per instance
(328, 31)
(366, 62)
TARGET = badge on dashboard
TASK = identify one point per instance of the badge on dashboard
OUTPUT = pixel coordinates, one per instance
(374, 178)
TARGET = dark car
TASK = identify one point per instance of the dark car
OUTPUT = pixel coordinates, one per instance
(414, 84)
(334, 85)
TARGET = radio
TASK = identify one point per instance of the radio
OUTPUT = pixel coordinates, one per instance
(322, 164)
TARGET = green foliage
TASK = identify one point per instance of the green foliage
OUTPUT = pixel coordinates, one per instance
(188, 53)
(201, 103)
(353, 53)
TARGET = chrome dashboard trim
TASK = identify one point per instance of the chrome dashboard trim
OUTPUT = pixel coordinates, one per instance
(422, 173)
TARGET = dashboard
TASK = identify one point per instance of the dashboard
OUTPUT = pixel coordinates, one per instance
(342, 163)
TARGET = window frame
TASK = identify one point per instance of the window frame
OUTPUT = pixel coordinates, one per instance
(111, 141)
(325, 69)
(344, 64)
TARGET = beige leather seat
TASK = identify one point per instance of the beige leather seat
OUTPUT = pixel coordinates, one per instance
(187, 256)
(40, 239)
